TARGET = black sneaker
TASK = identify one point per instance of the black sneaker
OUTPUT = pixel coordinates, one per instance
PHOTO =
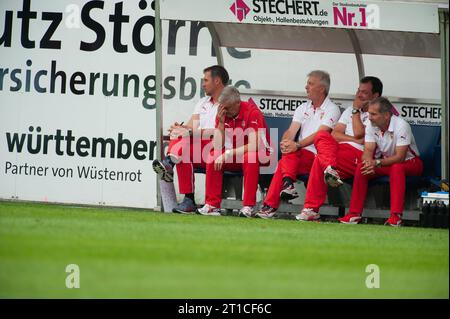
(187, 206)
(164, 169)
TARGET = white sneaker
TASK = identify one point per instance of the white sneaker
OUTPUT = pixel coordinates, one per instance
(209, 210)
(331, 177)
(288, 192)
(246, 211)
(266, 212)
(307, 214)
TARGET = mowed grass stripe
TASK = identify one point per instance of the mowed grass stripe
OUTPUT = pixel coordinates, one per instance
(138, 254)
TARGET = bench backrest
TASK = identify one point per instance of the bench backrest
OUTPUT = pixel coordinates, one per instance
(428, 139)
(277, 127)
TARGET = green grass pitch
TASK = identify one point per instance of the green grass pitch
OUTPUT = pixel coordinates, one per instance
(125, 253)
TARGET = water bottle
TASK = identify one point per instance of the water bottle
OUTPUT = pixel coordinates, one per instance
(440, 214)
(424, 215)
(433, 214)
(444, 215)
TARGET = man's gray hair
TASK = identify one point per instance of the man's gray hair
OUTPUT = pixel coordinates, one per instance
(385, 106)
(230, 95)
(324, 78)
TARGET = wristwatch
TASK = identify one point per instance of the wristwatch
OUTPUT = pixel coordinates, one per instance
(227, 153)
(378, 163)
(354, 111)
(188, 131)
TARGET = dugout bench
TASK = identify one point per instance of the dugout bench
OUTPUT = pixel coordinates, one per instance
(394, 31)
(377, 204)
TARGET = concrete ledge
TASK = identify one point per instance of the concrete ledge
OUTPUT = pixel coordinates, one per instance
(287, 209)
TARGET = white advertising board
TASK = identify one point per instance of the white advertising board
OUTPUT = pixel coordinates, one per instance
(77, 115)
(77, 94)
(376, 15)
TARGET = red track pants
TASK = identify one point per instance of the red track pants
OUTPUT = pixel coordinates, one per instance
(397, 174)
(343, 157)
(249, 165)
(191, 153)
(290, 165)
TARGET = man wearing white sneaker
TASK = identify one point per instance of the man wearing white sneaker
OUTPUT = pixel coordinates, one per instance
(318, 114)
(338, 153)
(188, 141)
(240, 144)
(389, 150)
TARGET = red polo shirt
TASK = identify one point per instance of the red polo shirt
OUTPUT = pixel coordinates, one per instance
(249, 117)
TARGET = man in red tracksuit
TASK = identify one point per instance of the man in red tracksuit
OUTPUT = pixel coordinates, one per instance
(190, 144)
(240, 144)
(317, 114)
(339, 153)
(389, 150)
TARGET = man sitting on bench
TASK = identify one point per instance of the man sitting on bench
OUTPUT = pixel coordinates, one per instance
(339, 153)
(318, 114)
(188, 141)
(389, 150)
(240, 144)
